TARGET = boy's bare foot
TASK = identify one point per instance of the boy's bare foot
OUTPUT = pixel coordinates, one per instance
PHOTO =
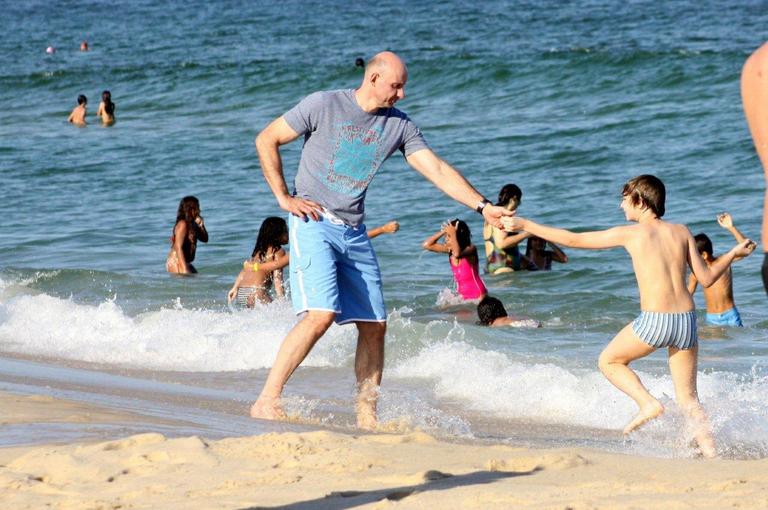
(646, 413)
(267, 409)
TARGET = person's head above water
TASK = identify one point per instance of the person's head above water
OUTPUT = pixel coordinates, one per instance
(703, 245)
(359, 62)
(81, 99)
(189, 209)
(109, 106)
(463, 234)
(383, 83)
(510, 196)
(273, 233)
(490, 309)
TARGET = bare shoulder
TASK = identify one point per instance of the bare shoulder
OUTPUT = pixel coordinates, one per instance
(680, 230)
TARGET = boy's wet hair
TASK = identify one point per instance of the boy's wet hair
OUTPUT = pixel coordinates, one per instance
(647, 190)
(463, 235)
(703, 244)
(490, 309)
(271, 233)
(508, 192)
(81, 99)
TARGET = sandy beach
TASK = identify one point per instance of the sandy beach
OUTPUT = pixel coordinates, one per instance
(329, 470)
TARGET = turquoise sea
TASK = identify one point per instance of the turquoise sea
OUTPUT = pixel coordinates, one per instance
(566, 99)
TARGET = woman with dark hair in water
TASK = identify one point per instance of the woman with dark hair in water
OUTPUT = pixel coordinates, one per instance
(106, 109)
(188, 230)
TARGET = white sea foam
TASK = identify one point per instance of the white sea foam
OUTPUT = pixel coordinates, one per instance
(172, 338)
(442, 357)
(492, 383)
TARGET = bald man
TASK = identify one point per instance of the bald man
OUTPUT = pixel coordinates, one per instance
(754, 95)
(334, 272)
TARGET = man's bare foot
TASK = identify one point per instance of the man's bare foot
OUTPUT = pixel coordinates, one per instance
(366, 415)
(267, 409)
(646, 413)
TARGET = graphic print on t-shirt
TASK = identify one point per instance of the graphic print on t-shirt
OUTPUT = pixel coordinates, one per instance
(356, 157)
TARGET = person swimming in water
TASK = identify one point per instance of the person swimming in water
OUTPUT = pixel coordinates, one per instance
(77, 117)
(491, 312)
(721, 307)
(189, 228)
(540, 257)
(106, 109)
(501, 248)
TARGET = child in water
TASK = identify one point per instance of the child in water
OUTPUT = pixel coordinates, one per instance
(106, 109)
(661, 253)
(721, 309)
(462, 255)
(265, 268)
(540, 257)
(77, 117)
(491, 312)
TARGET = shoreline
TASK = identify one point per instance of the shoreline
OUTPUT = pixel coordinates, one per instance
(322, 469)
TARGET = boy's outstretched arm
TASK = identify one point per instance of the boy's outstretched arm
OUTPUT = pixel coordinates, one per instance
(595, 240)
(707, 275)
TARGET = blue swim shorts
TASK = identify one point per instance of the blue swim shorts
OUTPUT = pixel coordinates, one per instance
(334, 268)
(659, 329)
(729, 318)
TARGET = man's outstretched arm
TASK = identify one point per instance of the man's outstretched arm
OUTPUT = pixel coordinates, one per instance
(450, 181)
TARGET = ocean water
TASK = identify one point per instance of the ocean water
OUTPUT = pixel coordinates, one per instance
(566, 100)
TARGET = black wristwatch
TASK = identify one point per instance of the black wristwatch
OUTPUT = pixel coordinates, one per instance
(481, 205)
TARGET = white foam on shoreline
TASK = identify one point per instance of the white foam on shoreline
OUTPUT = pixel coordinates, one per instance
(173, 338)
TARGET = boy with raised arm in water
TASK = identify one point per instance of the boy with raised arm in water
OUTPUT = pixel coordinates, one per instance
(721, 308)
(660, 253)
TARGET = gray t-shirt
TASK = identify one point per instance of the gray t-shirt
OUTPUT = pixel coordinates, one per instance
(344, 147)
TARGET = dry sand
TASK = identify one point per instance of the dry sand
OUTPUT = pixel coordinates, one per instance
(319, 470)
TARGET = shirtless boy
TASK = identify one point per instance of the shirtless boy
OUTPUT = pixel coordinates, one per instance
(77, 117)
(660, 253)
(721, 309)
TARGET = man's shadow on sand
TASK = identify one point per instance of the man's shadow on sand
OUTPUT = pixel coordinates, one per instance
(434, 481)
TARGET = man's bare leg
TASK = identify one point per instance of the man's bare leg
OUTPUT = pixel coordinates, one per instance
(293, 350)
(369, 363)
(614, 363)
(683, 367)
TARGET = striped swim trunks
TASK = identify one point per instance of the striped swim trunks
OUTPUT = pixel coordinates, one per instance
(244, 295)
(659, 329)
